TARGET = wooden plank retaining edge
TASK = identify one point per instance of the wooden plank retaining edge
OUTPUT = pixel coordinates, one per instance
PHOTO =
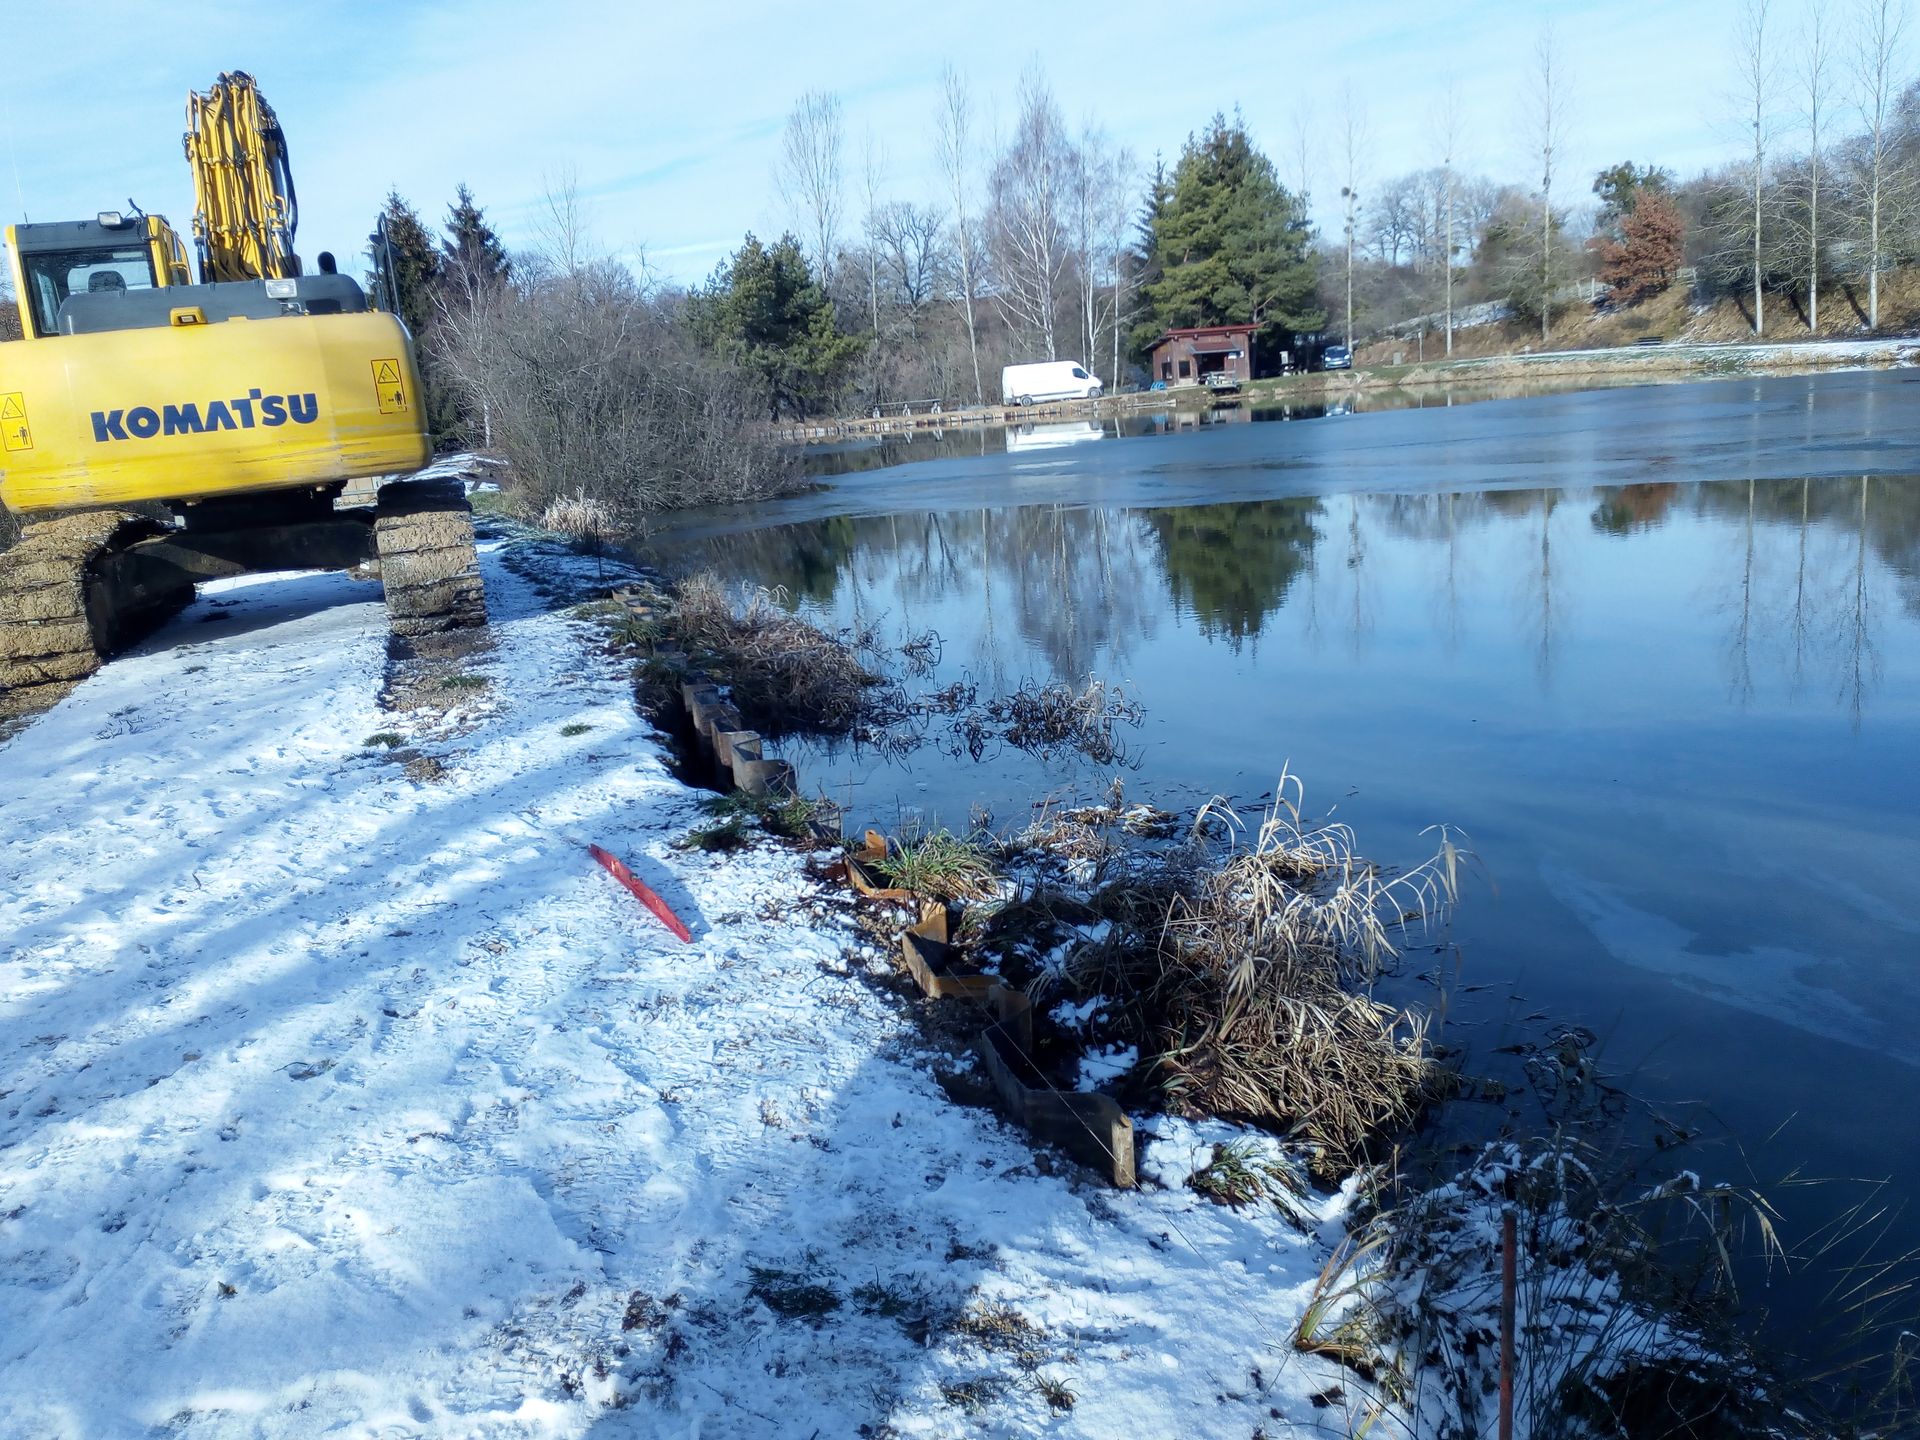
(1092, 1128)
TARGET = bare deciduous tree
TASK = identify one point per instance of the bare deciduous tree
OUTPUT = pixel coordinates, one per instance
(873, 166)
(1755, 71)
(1547, 117)
(599, 395)
(1816, 63)
(809, 173)
(561, 229)
(1302, 129)
(953, 140)
(1880, 26)
(1029, 197)
(1088, 229)
(1447, 130)
(1352, 145)
(1123, 175)
(1104, 178)
(910, 242)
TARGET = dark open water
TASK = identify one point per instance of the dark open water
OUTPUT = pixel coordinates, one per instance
(1656, 649)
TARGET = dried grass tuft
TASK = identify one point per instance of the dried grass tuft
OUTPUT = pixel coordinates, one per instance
(578, 516)
(1261, 987)
(783, 673)
(1243, 1172)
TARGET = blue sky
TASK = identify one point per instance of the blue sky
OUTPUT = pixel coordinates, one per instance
(669, 116)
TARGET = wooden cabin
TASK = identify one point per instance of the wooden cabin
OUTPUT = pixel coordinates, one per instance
(1188, 357)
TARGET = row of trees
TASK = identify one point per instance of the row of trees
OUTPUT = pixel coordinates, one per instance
(1055, 244)
(1826, 193)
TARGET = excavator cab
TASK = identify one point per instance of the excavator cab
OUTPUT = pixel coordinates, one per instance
(109, 254)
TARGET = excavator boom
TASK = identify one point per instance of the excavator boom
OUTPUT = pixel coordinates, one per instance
(245, 210)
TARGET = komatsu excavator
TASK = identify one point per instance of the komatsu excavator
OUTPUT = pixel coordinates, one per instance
(238, 407)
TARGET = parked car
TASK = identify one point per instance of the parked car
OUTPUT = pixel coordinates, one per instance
(1336, 357)
(1047, 380)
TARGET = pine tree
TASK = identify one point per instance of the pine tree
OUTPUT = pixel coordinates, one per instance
(765, 311)
(1140, 256)
(1230, 244)
(473, 262)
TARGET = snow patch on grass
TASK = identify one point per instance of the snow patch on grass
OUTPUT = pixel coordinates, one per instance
(335, 1101)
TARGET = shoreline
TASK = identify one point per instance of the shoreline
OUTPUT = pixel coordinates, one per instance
(1662, 364)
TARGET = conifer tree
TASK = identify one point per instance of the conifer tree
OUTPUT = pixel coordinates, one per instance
(406, 267)
(473, 262)
(406, 276)
(764, 310)
(1230, 243)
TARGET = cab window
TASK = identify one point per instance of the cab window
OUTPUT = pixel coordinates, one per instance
(1080, 374)
(54, 275)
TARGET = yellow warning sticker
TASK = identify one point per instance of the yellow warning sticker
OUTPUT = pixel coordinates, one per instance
(388, 387)
(15, 431)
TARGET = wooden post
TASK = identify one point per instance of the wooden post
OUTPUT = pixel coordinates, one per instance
(1508, 1266)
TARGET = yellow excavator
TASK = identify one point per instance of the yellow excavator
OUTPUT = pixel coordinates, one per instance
(232, 412)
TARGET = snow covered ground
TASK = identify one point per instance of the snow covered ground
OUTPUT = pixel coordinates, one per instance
(338, 1102)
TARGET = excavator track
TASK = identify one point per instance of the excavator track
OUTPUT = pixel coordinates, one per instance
(58, 618)
(423, 534)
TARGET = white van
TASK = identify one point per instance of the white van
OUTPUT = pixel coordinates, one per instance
(1048, 380)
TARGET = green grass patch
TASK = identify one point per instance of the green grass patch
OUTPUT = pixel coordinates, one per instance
(385, 740)
(577, 727)
(634, 631)
(789, 817)
(463, 682)
(597, 610)
(717, 838)
(1241, 1173)
(941, 866)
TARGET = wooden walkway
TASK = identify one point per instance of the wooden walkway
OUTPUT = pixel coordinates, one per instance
(964, 417)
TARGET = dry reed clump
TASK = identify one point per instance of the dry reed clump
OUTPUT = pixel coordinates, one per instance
(1245, 970)
(1046, 719)
(783, 673)
(1051, 719)
(578, 516)
(1262, 969)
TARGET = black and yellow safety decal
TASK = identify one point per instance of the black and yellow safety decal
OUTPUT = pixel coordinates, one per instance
(388, 387)
(16, 431)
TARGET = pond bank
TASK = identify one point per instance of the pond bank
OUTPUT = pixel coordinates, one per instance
(354, 1094)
